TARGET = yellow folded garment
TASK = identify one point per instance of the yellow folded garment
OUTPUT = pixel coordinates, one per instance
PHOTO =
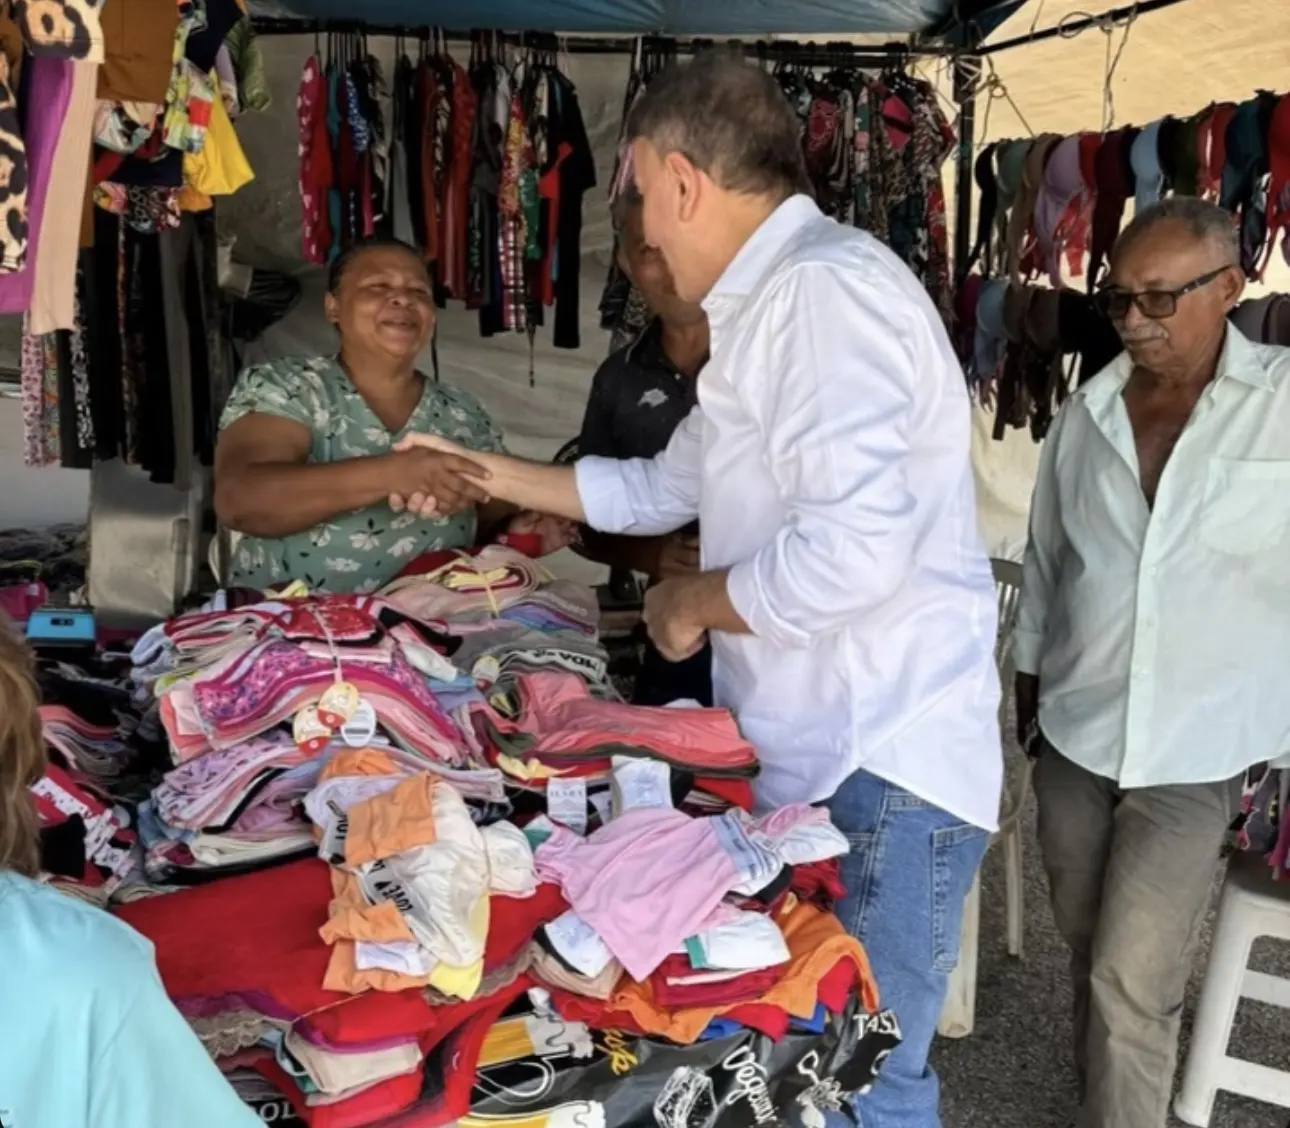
(474, 579)
(459, 982)
(220, 168)
(527, 770)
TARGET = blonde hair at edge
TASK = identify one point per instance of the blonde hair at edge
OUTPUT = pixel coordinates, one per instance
(22, 754)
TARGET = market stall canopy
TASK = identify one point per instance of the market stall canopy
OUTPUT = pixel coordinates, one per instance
(745, 18)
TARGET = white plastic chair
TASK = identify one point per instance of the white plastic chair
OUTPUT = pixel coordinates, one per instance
(958, 1017)
(1252, 905)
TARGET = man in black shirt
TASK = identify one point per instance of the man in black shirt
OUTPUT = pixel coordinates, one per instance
(639, 396)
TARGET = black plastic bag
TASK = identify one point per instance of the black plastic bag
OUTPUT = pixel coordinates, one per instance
(607, 1080)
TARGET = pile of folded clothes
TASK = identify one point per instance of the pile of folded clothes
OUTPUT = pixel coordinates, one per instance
(414, 846)
(87, 845)
(100, 761)
(229, 810)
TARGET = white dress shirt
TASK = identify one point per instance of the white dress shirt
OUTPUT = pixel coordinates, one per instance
(1162, 637)
(828, 464)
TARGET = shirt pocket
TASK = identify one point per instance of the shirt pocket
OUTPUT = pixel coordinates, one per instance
(1246, 505)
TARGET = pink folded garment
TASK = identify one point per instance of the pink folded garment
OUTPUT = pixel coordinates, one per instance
(198, 794)
(485, 584)
(268, 684)
(643, 882)
(558, 710)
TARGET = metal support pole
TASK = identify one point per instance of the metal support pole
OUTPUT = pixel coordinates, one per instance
(967, 74)
(1070, 28)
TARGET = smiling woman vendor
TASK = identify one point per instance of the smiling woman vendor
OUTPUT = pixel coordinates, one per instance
(304, 466)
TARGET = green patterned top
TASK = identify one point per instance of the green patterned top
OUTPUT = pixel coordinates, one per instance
(364, 550)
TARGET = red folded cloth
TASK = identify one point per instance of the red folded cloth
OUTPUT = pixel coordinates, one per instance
(676, 984)
(414, 1100)
(819, 883)
(252, 943)
(18, 601)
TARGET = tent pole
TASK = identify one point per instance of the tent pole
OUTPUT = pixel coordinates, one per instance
(1068, 29)
(966, 74)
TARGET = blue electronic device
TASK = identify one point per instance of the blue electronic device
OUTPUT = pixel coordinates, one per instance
(61, 628)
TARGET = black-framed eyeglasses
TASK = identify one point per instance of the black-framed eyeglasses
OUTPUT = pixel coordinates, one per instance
(1155, 304)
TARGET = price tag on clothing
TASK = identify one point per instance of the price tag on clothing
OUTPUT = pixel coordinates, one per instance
(566, 803)
(640, 783)
(578, 944)
(338, 704)
(311, 735)
(358, 731)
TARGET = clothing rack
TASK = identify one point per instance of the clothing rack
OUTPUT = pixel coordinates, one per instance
(811, 54)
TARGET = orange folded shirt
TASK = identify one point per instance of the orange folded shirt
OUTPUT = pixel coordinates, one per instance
(352, 919)
(400, 819)
(816, 943)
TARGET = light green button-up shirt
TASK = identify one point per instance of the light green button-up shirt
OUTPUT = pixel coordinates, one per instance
(1161, 636)
(363, 550)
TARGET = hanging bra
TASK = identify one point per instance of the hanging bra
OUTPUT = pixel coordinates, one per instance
(1144, 156)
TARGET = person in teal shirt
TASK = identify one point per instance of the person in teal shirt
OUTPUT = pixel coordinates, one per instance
(88, 1038)
(306, 460)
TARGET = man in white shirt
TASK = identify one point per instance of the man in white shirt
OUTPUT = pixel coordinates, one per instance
(849, 603)
(1153, 638)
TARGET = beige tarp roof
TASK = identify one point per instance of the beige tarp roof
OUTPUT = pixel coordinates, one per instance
(1174, 61)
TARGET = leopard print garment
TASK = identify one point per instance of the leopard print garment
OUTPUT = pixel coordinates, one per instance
(61, 29)
(13, 179)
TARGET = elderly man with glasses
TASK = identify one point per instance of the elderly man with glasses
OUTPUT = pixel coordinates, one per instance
(1154, 639)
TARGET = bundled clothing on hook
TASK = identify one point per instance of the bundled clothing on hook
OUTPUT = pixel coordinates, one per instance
(121, 353)
(1027, 348)
(1049, 205)
(1261, 826)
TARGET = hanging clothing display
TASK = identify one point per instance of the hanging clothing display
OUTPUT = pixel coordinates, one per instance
(120, 354)
(1053, 207)
(874, 146)
(484, 166)
(1261, 826)
(408, 845)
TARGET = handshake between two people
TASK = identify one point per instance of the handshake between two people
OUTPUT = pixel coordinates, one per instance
(679, 606)
(444, 479)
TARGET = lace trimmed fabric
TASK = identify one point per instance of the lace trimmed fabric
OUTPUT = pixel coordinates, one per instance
(224, 1035)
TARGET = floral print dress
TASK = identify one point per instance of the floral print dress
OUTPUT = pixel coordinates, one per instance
(364, 550)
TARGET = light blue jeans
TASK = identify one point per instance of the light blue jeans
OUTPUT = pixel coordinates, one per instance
(910, 867)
